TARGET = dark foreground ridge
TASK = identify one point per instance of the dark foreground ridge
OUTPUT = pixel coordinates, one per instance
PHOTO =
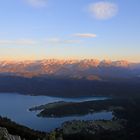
(22, 131)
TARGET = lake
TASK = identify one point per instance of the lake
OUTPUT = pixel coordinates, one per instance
(15, 106)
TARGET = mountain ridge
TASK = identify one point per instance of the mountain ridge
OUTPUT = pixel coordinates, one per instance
(69, 68)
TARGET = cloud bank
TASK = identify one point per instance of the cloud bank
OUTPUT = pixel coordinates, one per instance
(103, 10)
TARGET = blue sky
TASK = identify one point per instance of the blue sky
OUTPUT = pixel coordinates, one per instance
(77, 29)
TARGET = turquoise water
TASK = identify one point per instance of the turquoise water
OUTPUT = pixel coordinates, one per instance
(15, 107)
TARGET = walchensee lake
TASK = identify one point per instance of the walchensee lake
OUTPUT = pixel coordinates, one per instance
(15, 107)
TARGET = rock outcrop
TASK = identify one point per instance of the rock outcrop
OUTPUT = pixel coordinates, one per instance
(4, 135)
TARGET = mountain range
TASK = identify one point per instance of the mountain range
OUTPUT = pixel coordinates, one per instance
(70, 78)
(91, 69)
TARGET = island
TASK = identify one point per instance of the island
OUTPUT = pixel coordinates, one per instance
(63, 109)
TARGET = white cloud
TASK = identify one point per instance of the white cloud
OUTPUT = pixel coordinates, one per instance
(103, 10)
(61, 41)
(30, 42)
(18, 42)
(86, 35)
(37, 3)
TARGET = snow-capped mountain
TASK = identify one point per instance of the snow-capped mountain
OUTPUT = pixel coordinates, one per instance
(72, 68)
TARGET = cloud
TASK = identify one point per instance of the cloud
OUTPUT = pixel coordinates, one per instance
(29, 42)
(61, 41)
(18, 42)
(86, 35)
(37, 3)
(103, 10)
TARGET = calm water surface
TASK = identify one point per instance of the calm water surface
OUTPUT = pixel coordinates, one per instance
(15, 107)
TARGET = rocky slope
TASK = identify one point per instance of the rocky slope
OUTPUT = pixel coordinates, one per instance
(4, 135)
(90, 127)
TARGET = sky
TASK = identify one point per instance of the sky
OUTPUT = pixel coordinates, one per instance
(70, 29)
